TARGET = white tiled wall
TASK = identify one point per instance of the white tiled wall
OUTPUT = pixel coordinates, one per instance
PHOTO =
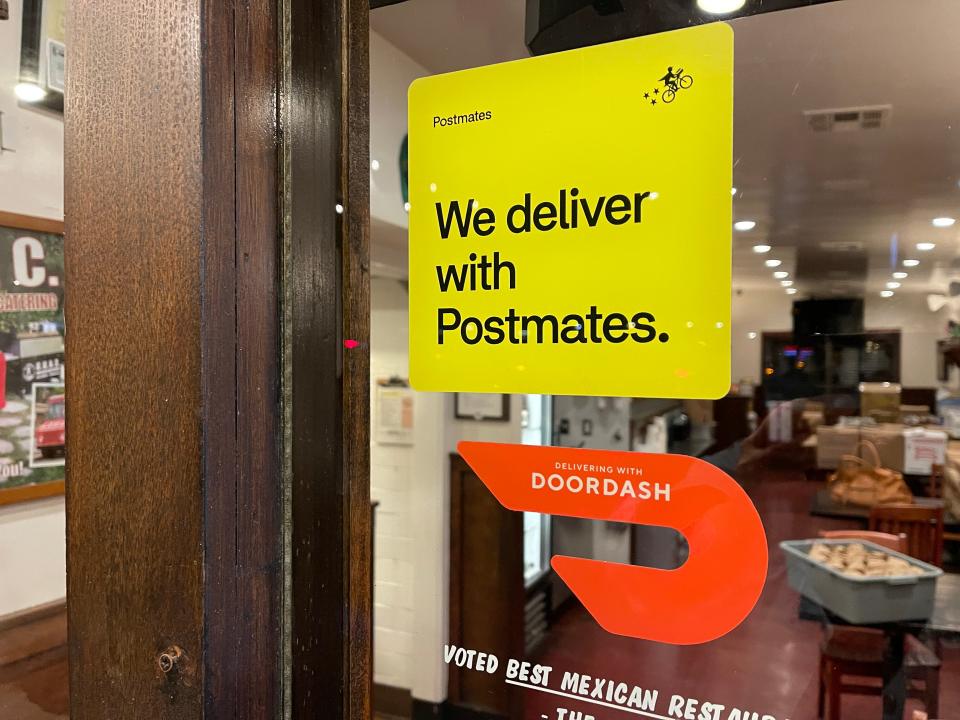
(390, 484)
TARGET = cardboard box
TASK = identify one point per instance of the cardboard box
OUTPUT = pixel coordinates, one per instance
(889, 441)
(834, 441)
(880, 401)
(923, 448)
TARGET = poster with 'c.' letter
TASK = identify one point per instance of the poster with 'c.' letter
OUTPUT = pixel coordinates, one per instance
(570, 221)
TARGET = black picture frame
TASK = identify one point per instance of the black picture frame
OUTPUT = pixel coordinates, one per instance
(31, 49)
(460, 413)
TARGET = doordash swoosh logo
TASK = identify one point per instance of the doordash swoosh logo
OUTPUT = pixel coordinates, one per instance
(702, 600)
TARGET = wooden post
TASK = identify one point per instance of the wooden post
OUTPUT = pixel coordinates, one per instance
(217, 488)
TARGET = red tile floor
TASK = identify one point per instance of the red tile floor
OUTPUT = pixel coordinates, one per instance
(768, 665)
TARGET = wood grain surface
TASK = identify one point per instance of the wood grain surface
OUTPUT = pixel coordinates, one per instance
(240, 340)
(175, 496)
(133, 184)
(328, 296)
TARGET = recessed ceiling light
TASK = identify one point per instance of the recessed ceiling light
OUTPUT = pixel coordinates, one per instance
(791, 291)
(786, 283)
(911, 263)
(744, 225)
(926, 246)
(720, 7)
(781, 274)
(943, 221)
(752, 335)
(886, 293)
(733, 191)
(893, 285)
(339, 208)
(653, 195)
(406, 207)
(761, 248)
(374, 164)
(772, 263)
(900, 275)
(29, 92)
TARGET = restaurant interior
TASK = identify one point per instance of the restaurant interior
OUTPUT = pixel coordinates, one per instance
(846, 270)
(845, 365)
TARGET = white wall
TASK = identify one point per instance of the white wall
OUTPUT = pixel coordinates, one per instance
(31, 179)
(411, 546)
(32, 547)
(391, 72)
(391, 480)
(32, 558)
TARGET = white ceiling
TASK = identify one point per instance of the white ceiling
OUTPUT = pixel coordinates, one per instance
(804, 189)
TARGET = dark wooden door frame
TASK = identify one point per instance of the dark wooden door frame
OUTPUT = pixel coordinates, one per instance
(218, 473)
(328, 300)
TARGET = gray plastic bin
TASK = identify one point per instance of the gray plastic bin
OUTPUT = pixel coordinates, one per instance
(861, 600)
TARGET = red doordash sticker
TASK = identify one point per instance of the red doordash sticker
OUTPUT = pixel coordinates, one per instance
(705, 598)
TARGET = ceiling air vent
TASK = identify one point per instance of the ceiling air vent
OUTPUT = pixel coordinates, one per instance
(849, 119)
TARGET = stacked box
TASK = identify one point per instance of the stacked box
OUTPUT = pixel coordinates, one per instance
(889, 441)
(923, 448)
(880, 401)
(835, 441)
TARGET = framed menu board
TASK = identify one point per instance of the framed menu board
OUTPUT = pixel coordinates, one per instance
(32, 393)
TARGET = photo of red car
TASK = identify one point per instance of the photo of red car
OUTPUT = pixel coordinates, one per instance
(50, 433)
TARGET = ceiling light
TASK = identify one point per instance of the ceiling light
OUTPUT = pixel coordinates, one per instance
(374, 164)
(926, 246)
(886, 293)
(406, 207)
(943, 221)
(772, 263)
(752, 335)
(786, 283)
(781, 274)
(900, 275)
(339, 208)
(733, 191)
(653, 195)
(761, 248)
(893, 285)
(720, 7)
(791, 291)
(29, 92)
(744, 225)
(911, 263)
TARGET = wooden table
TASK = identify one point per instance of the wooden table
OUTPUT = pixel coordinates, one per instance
(825, 506)
(945, 622)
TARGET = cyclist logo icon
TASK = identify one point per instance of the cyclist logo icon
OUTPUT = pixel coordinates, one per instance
(673, 82)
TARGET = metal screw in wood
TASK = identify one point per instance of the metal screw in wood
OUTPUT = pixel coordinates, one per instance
(169, 658)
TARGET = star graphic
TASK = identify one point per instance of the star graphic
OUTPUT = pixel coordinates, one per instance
(656, 91)
(653, 102)
(646, 96)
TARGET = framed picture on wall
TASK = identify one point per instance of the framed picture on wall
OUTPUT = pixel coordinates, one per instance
(43, 51)
(32, 396)
(481, 406)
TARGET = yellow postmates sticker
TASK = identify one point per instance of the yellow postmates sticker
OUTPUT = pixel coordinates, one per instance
(570, 221)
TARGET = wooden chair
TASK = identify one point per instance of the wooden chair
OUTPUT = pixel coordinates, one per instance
(938, 477)
(850, 653)
(935, 483)
(922, 525)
